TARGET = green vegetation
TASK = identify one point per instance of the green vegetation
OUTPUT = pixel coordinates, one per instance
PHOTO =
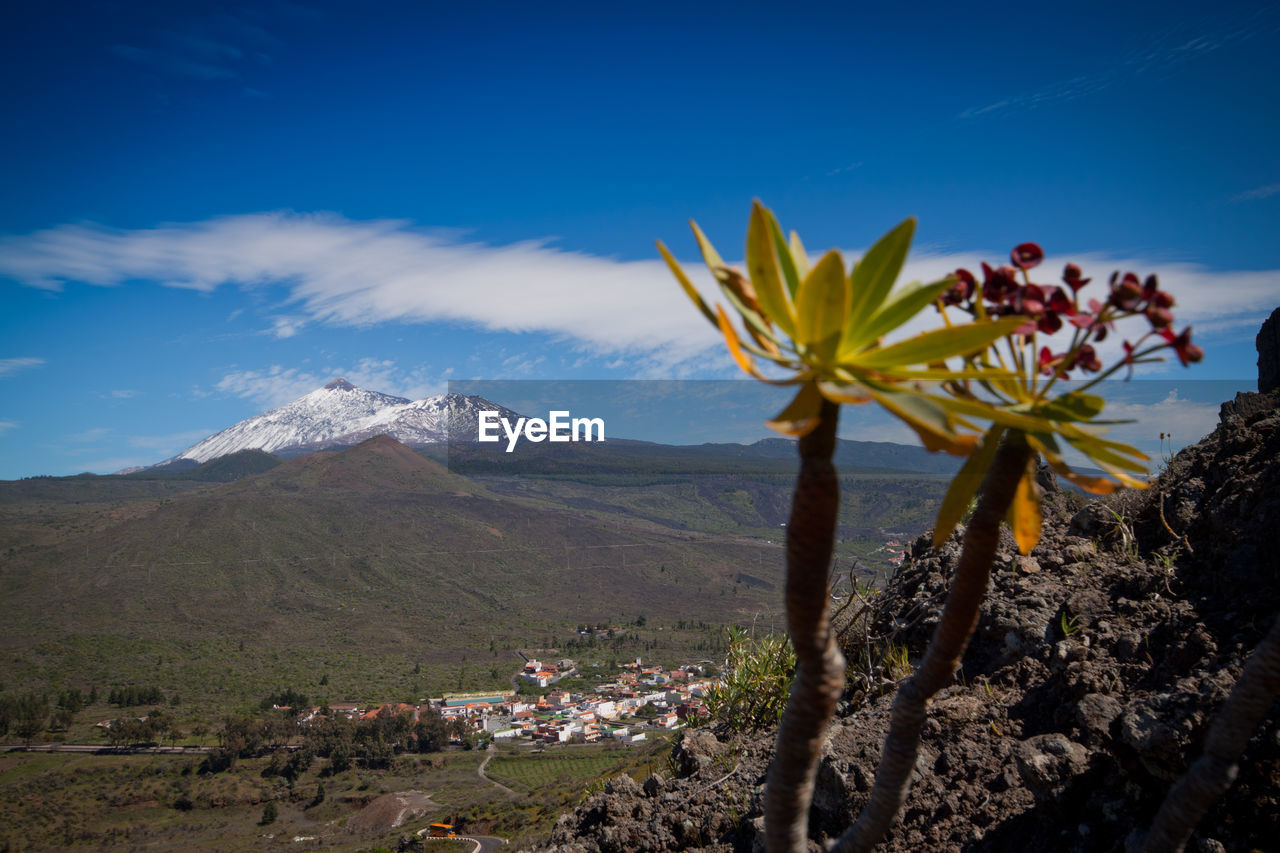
(753, 690)
(565, 766)
(374, 568)
(375, 574)
(69, 801)
(183, 605)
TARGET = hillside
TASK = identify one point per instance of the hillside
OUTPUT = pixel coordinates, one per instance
(363, 564)
(1086, 691)
(718, 488)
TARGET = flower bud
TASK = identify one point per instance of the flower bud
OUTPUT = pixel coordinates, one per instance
(1150, 287)
(1159, 317)
(1127, 294)
(1026, 255)
(960, 292)
(1087, 359)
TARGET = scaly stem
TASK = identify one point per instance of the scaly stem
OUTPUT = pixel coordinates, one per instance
(1233, 725)
(959, 618)
(819, 676)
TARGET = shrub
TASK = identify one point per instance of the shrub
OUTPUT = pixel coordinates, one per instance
(753, 690)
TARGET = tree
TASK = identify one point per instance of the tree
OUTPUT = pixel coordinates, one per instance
(432, 731)
(71, 700)
(340, 757)
(1027, 419)
(158, 724)
(61, 720)
(825, 330)
(31, 713)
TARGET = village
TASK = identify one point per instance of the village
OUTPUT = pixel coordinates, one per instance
(622, 708)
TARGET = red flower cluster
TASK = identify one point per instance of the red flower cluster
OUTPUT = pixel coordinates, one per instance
(1043, 305)
(1008, 290)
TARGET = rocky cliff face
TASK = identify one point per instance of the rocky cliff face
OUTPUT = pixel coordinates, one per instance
(1269, 354)
(1086, 691)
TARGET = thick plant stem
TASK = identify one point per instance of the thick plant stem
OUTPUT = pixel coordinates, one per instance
(1211, 775)
(959, 618)
(819, 675)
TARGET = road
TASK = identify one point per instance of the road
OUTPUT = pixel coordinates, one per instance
(493, 750)
(483, 843)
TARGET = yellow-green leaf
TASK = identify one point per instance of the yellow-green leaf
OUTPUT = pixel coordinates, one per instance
(1093, 485)
(1071, 431)
(689, 289)
(738, 291)
(903, 305)
(943, 374)
(735, 346)
(762, 264)
(800, 417)
(929, 420)
(1047, 446)
(874, 274)
(709, 254)
(844, 393)
(940, 344)
(783, 251)
(1100, 452)
(799, 256)
(1024, 512)
(995, 414)
(736, 349)
(821, 305)
(965, 485)
(1073, 406)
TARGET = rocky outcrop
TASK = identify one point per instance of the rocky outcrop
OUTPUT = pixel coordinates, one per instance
(1269, 354)
(1087, 689)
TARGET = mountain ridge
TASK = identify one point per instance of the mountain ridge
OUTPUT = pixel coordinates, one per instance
(341, 414)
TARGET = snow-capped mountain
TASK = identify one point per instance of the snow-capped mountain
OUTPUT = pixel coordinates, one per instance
(342, 414)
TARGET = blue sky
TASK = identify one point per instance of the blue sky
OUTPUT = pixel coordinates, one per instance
(211, 209)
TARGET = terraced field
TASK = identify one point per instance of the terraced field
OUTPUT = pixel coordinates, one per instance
(563, 766)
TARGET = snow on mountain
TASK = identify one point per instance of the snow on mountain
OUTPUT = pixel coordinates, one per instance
(341, 414)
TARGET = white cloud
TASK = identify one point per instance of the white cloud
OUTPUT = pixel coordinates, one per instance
(10, 366)
(278, 385)
(345, 273)
(110, 464)
(348, 273)
(170, 444)
(5, 426)
(287, 327)
(1185, 421)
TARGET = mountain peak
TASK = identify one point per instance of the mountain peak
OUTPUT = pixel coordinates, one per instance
(324, 418)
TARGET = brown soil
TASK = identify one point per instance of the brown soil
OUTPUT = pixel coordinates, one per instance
(390, 811)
